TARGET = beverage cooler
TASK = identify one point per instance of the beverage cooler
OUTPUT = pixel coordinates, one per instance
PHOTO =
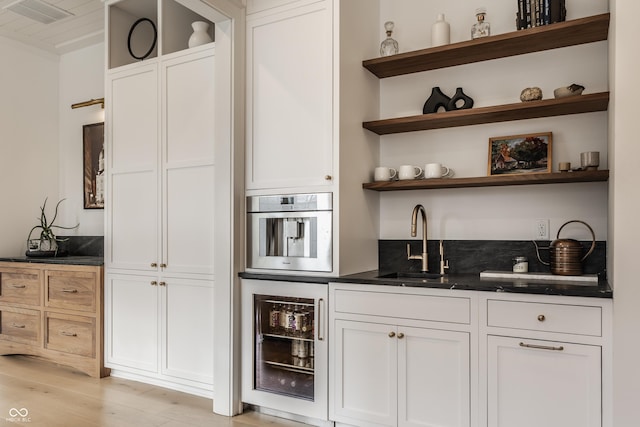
(284, 346)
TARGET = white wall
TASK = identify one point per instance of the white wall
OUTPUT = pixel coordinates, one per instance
(28, 140)
(507, 213)
(625, 205)
(81, 79)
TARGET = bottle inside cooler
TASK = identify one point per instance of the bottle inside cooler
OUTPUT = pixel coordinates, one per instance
(284, 345)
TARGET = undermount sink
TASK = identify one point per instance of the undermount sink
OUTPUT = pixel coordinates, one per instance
(410, 275)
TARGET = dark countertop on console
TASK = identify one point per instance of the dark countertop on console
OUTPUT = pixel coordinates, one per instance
(62, 260)
(470, 282)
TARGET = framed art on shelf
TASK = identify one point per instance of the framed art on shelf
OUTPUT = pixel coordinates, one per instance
(520, 154)
(93, 171)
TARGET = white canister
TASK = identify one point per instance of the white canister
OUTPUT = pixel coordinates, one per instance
(440, 32)
(520, 264)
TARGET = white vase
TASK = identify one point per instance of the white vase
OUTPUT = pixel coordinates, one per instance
(200, 35)
(440, 32)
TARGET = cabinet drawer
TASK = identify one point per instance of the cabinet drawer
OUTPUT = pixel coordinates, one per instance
(417, 307)
(20, 325)
(20, 286)
(70, 334)
(71, 290)
(562, 318)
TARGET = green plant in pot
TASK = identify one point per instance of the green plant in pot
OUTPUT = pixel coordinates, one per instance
(47, 243)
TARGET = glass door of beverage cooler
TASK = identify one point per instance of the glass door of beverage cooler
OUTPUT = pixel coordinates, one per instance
(284, 346)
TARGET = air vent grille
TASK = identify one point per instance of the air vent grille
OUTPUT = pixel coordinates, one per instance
(38, 10)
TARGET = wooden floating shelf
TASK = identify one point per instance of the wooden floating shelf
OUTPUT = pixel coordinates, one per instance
(552, 36)
(499, 113)
(490, 181)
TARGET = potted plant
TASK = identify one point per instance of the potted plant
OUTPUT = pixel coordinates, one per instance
(47, 243)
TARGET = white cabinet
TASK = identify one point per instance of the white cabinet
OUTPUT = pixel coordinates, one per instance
(547, 361)
(395, 362)
(160, 166)
(534, 383)
(397, 375)
(289, 96)
(306, 95)
(160, 330)
(160, 204)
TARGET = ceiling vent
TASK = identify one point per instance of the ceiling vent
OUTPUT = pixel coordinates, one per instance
(38, 10)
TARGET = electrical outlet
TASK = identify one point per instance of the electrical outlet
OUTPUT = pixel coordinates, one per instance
(541, 231)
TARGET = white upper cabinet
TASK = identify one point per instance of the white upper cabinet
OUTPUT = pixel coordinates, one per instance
(132, 216)
(289, 97)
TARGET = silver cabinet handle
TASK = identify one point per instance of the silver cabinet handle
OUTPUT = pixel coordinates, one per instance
(320, 319)
(542, 347)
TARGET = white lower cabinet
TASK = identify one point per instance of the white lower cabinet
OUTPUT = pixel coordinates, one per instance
(403, 356)
(547, 361)
(533, 383)
(159, 330)
(407, 371)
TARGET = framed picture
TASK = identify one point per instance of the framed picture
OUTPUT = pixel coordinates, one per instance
(93, 155)
(520, 154)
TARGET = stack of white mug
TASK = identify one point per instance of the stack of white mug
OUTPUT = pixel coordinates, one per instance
(406, 172)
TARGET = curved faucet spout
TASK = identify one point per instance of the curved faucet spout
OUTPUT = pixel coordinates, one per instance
(414, 229)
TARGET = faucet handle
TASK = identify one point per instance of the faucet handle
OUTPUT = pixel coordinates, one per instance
(409, 256)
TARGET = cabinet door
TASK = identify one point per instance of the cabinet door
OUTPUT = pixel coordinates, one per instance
(132, 173)
(365, 378)
(289, 98)
(187, 329)
(188, 163)
(433, 378)
(542, 383)
(131, 322)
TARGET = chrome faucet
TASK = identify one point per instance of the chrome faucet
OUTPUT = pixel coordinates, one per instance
(414, 226)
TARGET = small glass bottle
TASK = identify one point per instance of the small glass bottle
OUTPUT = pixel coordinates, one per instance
(388, 46)
(480, 28)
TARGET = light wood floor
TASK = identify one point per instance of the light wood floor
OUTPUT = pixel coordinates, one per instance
(56, 396)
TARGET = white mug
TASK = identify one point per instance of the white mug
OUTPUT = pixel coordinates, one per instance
(382, 173)
(436, 170)
(409, 172)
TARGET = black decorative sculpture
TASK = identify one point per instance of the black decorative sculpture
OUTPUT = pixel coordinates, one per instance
(460, 96)
(435, 101)
(439, 99)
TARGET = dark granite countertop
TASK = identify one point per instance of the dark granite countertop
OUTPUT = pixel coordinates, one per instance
(469, 282)
(62, 260)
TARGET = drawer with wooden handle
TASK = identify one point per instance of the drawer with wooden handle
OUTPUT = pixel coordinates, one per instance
(561, 318)
(70, 334)
(20, 286)
(73, 290)
(20, 325)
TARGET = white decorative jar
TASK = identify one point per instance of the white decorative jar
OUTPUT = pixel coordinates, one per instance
(440, 32)
(200, 34)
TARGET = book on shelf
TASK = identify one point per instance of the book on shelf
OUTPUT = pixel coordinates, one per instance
(535, 13)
